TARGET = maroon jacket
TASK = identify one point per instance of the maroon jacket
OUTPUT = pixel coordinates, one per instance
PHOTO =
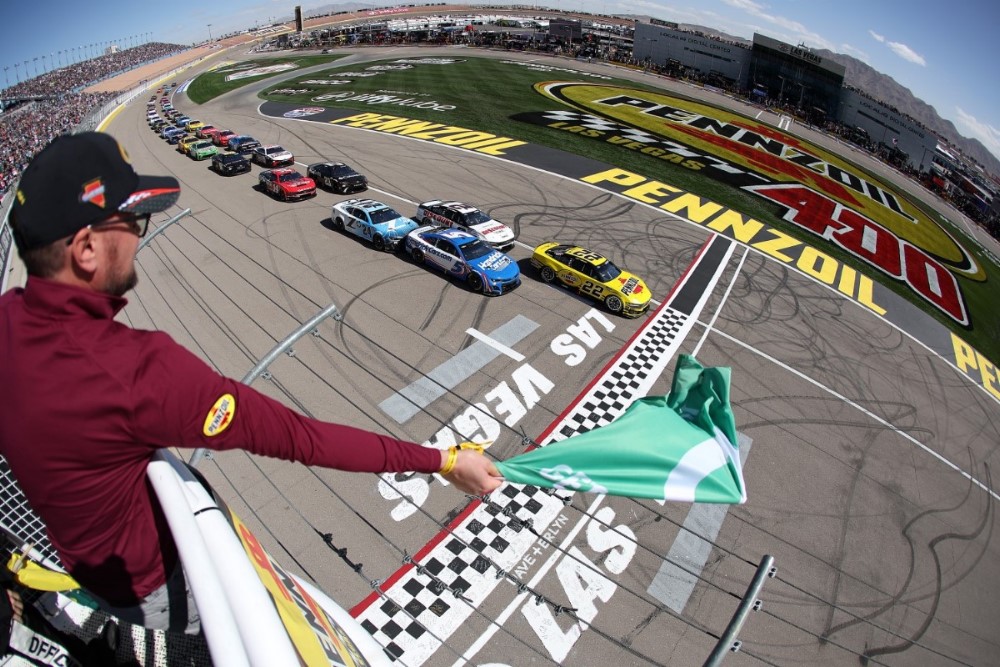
(86, 403)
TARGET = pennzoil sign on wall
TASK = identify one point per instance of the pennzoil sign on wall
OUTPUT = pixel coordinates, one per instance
(817, 191)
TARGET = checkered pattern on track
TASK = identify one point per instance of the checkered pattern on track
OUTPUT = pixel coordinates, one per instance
(592, 122)
(630, 378)
(422, 609)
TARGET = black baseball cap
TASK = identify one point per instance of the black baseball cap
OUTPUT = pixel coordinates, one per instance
(78, 180)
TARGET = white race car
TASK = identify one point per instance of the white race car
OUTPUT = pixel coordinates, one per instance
(467, 218)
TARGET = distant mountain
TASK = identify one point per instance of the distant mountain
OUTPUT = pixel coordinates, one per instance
(885, 88)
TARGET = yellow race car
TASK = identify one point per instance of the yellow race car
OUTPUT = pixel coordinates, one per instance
(186, 142)
(592, 275)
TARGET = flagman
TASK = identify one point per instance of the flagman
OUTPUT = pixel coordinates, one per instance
(91, 400)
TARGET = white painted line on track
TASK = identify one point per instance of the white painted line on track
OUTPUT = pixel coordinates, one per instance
(863, 410)
(680, 570)
(725, 297)
(495, 344)
(407, 402)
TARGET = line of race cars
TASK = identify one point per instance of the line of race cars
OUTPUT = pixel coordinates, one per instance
(455, 238)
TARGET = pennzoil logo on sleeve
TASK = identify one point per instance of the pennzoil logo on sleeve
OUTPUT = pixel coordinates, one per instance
(220, 416)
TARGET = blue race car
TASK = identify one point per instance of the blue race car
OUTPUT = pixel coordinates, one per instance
(466, 257)
(170, 131)
(372, 220)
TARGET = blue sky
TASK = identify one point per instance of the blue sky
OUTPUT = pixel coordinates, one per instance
(940, 51)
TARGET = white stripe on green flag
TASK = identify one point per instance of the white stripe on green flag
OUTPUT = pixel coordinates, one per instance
(677, 447)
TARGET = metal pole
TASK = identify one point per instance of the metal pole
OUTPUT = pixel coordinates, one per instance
(276, 351)
(159, 230)
(750, 602)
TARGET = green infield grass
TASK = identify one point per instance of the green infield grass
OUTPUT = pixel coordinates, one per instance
(211, 84)
(486, 92)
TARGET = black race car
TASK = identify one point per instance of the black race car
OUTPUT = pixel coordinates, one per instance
(228, 164)
(337, 177)
(242, 144)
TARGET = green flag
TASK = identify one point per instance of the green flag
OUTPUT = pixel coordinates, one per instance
(678, 447)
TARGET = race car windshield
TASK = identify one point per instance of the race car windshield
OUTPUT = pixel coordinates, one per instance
(290, 176)
(476, 249)
(343, 170)
(607, 272)
(477, 217)
(383, 215)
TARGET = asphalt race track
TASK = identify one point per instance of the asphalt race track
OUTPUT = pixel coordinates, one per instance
(859, 442)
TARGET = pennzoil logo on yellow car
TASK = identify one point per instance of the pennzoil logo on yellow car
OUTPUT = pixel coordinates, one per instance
(220, 416)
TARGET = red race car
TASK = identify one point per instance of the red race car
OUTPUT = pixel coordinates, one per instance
(221, 137)
(286, 184)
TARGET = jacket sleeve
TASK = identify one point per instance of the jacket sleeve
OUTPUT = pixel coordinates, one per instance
(179, 401)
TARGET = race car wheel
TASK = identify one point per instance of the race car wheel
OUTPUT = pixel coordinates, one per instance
(548, 275)
(475, 282)
(343, 188)
(282, 196)
(338, 224)
(614, 304)
(378, 242)
(328, 182)
(418, 255)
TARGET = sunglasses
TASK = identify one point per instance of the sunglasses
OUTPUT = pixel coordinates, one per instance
(137, 224)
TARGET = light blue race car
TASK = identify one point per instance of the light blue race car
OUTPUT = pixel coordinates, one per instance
(372, 220)
(466, 257)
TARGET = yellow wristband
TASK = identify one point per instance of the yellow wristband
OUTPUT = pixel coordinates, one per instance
(471, 445)
(449, 465)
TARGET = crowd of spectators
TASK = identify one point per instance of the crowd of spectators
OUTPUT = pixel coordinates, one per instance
(26, 130)
(39, 109)
(79, 75)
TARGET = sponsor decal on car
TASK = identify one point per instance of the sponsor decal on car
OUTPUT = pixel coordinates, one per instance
(496, 261)
(629, 285)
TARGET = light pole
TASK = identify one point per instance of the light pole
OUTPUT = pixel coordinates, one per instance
(6, 78)
(17, 72)
(210, 32)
